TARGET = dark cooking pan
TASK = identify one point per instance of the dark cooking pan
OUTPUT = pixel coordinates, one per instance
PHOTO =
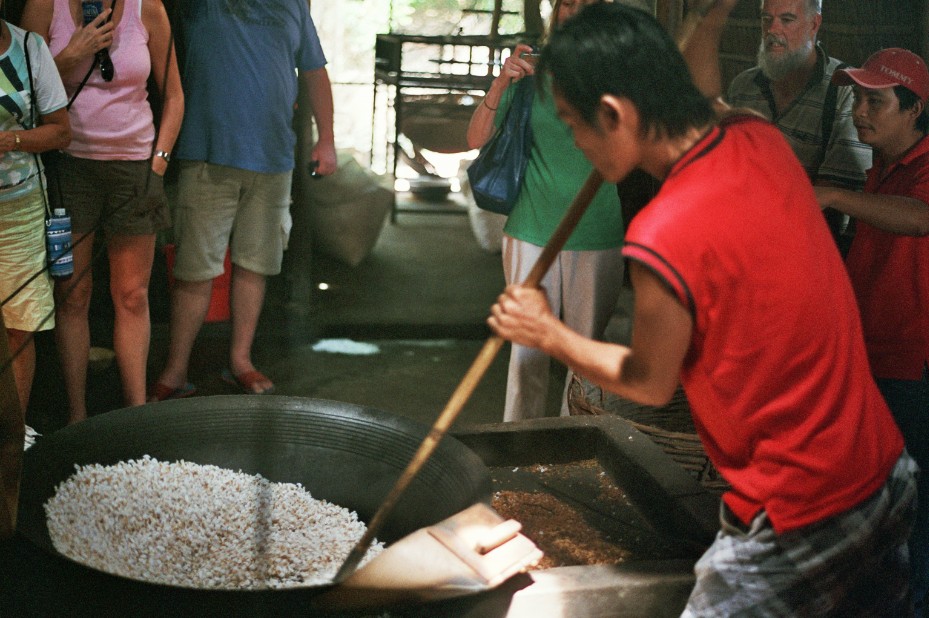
(346, 454)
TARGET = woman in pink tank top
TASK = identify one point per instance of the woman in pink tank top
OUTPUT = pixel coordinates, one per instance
(110, 177)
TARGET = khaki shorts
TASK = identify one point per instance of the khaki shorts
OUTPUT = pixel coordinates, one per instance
(220, 207)
(22, 255)
(124, 198)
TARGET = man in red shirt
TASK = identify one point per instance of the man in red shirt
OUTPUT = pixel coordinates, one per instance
(759, 324)
(889, 259)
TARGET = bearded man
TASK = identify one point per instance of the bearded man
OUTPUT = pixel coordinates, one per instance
(791, 86)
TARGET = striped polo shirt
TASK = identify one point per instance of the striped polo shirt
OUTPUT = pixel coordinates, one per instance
(846, 159)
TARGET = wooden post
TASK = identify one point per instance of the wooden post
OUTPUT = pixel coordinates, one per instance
(532, 18)
(12, 438)
(925, 32)
(670, 14)
(495, 19)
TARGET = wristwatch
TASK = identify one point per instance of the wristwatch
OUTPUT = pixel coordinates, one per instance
(164, 155)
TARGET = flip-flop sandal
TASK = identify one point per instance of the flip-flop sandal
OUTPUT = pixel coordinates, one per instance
(247, 381)
(163, 392)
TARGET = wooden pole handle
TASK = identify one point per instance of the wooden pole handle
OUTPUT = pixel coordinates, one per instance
(471, 379)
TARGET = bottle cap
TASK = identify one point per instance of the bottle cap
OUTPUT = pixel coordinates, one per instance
(60, 212)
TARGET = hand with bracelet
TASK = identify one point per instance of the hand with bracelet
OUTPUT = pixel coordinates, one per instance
(514, 68)
(160, 160)
(10, 141)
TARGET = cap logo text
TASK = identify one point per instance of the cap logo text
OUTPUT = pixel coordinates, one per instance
(906, 79)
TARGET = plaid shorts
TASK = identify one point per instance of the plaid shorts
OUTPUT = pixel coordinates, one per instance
(852, 564)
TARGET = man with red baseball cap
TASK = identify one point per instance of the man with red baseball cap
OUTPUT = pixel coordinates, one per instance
(886, 69)
(889, 258)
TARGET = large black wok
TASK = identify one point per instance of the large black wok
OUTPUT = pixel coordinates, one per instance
(344, 453)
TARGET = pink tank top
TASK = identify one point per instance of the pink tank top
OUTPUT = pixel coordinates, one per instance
(109, 120)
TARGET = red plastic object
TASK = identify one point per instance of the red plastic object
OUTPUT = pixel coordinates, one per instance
(219, 299)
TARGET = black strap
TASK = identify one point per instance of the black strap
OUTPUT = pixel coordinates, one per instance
(828, 117)
(34, 109)
(93, 65)
(32, 102)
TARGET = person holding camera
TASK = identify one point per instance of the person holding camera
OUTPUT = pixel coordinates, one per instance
(25, 285)
(110, 177)
(584, 282)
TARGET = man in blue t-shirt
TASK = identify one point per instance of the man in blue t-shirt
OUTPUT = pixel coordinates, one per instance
(247, 65)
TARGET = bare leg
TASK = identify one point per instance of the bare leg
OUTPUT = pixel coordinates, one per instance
(248, 292)
(22, 347)
(130, 270)
(190, 301)
(72, 332)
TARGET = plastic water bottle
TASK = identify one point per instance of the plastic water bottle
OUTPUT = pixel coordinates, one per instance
(58, 242)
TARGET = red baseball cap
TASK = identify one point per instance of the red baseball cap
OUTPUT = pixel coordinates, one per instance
(888, 68)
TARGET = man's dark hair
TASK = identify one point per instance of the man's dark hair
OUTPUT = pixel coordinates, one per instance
(908, 99)
(609, 48)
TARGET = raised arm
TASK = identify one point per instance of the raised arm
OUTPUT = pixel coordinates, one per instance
(481, 127)
(86, 41)
(701, 50)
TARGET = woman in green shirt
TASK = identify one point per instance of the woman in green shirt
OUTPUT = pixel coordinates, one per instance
(584, 282)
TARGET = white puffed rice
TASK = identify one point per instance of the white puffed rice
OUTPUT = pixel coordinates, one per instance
(198, 526)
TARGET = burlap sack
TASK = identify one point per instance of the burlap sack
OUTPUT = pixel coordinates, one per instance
(347, 210)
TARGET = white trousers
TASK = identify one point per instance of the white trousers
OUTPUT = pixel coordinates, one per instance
(583, 288)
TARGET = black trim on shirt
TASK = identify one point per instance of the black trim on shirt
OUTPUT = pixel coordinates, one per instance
(704, 150)
(691, 304)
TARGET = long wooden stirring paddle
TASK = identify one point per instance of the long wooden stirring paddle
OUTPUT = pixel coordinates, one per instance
(471, 379)
(489, 351)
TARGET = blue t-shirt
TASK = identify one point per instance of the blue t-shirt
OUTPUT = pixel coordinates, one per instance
(240, 81)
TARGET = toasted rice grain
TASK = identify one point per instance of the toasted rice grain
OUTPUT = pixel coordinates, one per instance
(199, 526)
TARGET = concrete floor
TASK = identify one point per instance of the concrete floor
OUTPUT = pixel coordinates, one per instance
(420, 297)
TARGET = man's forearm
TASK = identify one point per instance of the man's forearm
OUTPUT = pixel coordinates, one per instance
(315, 105)
(896, 214)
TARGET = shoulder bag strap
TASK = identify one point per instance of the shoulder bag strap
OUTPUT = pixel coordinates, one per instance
(34, 109)
(828, 117)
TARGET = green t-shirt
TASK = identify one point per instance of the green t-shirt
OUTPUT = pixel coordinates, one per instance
(554, 175)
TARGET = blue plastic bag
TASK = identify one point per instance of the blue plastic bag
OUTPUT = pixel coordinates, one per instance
(496, 175)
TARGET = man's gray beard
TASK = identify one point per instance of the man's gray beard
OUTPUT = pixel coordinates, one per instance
(775, 68)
